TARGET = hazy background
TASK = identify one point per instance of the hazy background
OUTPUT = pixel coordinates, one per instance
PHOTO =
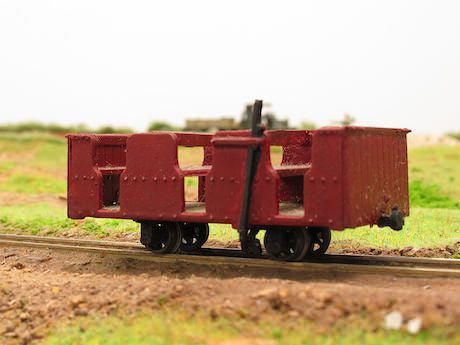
(387, 63)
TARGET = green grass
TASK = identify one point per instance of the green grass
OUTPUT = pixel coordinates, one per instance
(423, 195)
(222, 232)
(44, 218)
(33, 184)
(191, 181)
(437, 166)
(52, 156)
(174, 328)
(43, 151)
(30, 136)
(34, 164)
(34, 218)
(424, 228)
(5, 167)
(25, 142)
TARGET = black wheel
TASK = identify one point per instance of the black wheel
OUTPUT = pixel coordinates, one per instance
(287, 244)
(194, 235)
(320, 240)
(161, 237)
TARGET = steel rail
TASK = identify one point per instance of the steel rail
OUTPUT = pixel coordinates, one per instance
(328, 258)
(358, 264)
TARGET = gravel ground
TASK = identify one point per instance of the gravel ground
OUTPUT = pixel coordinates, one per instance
(40, 287)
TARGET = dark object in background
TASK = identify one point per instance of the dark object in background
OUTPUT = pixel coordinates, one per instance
(268, 119)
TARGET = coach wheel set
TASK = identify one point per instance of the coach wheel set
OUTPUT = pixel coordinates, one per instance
(320, 240)
(281, 243)
(194, 235)
(161, 237)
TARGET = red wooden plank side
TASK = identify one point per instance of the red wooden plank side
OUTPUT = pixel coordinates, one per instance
(323, 182)
(265, 190)
(207, 161)
(374, 173)
(152, 185)
(289, 137)
(191, 139)
(110, 150)
(84, 182)
(295, 162)
(225, 181)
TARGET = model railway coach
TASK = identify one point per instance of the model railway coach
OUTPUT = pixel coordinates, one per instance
(330, 178)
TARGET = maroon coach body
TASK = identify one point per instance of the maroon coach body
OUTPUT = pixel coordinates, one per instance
(330, 178)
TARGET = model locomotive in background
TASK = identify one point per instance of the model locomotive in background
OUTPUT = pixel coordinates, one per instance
(330, 178)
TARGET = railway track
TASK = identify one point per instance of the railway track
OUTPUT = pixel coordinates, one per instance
(357, 264)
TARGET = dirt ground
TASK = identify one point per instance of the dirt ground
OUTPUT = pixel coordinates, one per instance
(39, 288)
(348, 247)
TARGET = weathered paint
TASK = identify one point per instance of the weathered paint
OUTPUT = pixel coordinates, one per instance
(339, 177)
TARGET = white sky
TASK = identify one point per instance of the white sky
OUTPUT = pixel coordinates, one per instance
(388, 63)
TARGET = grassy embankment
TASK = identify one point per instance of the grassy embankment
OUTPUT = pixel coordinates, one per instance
(174, 328)
(33, 172)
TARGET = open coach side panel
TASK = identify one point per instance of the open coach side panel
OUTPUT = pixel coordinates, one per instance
(336, 177)
(358, 175)
(132, 176)
(95, 164)
(375, 174)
